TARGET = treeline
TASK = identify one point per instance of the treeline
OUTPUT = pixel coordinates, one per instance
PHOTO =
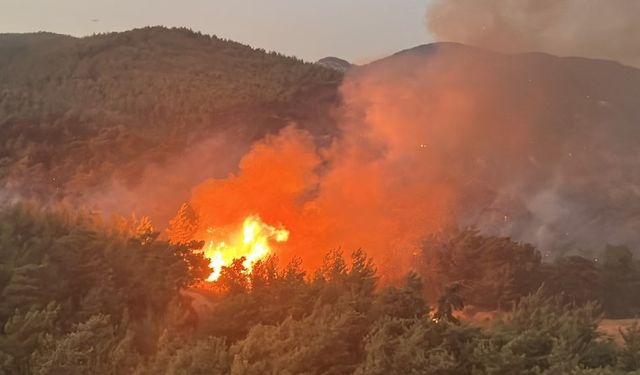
(69, 277)
(72, 109)
(80, 295)
(494, 273)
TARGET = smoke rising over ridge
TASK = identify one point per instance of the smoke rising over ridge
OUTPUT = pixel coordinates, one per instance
(532, 146)
(585, 28)
(527, 152)
(447, 135)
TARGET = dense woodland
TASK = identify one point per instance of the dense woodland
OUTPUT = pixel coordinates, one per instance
(74, 112)
(82, 295)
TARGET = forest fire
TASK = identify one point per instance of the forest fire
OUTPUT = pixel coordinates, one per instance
(252, 243)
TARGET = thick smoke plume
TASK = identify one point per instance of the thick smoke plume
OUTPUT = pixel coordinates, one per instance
(163, 187)
(447, 135)
(529, 146)
(350, 195)
(586, 28)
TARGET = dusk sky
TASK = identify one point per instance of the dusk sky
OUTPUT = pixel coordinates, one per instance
(358, 30)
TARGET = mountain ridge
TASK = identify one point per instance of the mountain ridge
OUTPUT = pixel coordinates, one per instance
(106, 107)
(74, 105)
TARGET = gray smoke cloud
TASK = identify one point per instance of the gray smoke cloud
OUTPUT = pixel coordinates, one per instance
(538, 148)
(162, 188)
(530, 146)
(585, 28)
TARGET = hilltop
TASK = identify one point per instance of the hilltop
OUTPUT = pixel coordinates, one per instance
(335, 63)
(71, 109)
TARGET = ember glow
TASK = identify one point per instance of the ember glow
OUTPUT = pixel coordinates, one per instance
(252, 242)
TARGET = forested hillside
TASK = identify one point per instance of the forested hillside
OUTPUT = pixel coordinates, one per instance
(76, 111)
(538, 152)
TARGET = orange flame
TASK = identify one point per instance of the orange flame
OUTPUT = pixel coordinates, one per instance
(252, 243)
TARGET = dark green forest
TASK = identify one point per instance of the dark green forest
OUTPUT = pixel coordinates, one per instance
(83, 292)
(81, 295)
(75, 112)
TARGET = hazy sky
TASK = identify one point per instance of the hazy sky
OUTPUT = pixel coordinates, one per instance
(358, 30)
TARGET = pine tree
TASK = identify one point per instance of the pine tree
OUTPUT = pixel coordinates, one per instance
(24, 332)
(183, 227)
(630, 355)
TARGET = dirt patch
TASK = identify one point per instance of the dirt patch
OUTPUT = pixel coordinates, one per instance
(612, 327)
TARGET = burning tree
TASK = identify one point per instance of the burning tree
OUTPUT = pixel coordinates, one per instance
(183, 227)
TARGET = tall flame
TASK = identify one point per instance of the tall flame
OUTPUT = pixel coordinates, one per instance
(252, 243)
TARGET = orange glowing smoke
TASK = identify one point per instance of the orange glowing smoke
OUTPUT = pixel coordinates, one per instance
(251, 243)
(346, 196)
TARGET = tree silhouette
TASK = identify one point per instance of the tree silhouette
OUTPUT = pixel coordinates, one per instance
(450, 301)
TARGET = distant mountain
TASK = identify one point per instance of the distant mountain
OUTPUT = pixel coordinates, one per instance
(335, 63)
(77, 111)
(541, 148)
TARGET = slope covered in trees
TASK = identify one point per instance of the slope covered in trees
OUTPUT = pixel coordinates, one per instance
(80, 294)
(76, 111)
(494, 273)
